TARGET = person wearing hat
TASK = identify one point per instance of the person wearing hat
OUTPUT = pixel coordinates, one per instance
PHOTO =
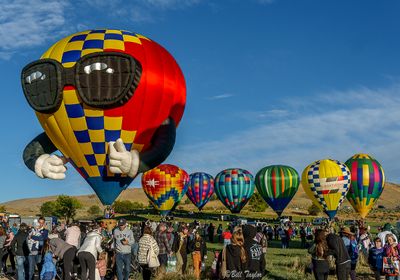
(123, 241)
(350, 242)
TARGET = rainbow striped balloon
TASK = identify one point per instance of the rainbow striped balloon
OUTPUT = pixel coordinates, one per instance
(165, 186)
(200, 188)
(234, 187)
(367, 182)
(277, 184)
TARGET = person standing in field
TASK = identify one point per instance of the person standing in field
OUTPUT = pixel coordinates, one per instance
(319, 256)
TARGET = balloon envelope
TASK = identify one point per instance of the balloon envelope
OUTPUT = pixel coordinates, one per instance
(82, 132)
(165, 186)
(277, 184)
(234, 187)
(326, 182)
(200, 188)
(367, 182)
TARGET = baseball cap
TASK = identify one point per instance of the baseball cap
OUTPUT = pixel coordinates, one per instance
(122, 222)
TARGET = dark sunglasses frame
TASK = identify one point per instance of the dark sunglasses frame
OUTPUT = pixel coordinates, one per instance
(59, 77)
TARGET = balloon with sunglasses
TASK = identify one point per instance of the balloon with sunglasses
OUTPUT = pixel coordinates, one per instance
(109, 101)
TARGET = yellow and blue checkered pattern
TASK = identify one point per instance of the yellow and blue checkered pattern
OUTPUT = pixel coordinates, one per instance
(92, 128)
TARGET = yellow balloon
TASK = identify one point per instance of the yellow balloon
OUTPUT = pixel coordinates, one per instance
(326, 182)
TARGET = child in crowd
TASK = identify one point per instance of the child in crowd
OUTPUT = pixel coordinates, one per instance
(214, 266)
(49, 269)
(375, 259)
(101, 264)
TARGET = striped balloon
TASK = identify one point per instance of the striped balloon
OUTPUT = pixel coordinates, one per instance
(277, 184)
(234, 187)
(200, 188)
(165, 186)
(326, 182)
(367, 182)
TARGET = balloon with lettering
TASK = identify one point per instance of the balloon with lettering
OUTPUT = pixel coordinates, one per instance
(326, 182)
(367, 182)
(277, 184)
(234, 187)
(165, 186)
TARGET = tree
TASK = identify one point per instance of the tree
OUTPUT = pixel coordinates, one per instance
(213, 197)
(66, 207)
(257, 203)
(3, 208)
(313, 210)
(122, 206)
(94, 210)
(48, 208)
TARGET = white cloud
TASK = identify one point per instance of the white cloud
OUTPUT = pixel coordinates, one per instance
(25, 24)
(334, 125)
(171, 4)
(220, 96)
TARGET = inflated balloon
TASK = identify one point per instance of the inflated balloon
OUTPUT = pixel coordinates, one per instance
(96, 87)
(165, 186)
(200, 189)
(367, 182)
(277, 184)
(326, 182)
(234, 187)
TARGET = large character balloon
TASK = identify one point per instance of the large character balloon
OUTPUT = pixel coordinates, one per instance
(110, 101)
(200, 189)
(165, 186)
(234, 187)
(367, 182)
(277, 184)
(326, 182)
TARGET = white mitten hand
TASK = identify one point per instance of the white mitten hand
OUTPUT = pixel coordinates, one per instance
(51, 166)
(123, 161)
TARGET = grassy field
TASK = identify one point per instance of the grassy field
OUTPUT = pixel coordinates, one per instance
(281, 263)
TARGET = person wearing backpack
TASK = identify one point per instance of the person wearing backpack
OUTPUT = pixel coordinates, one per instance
(145, 243)
(352, 248)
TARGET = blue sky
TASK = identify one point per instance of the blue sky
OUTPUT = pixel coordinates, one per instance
(268, 81)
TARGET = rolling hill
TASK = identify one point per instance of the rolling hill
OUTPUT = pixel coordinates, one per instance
(31, 206)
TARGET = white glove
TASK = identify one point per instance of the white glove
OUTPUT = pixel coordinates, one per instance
(51, 166)
(123, 161)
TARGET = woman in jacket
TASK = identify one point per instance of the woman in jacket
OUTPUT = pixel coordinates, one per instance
(392, 250)
(146, 242)
(199, 250)
(87, 253)
(63, 251)
(21, 250)
(319, 256)
(233, 259)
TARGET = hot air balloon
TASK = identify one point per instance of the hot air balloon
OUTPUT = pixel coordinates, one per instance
(165, 186)
(367, 182)
(97, 87)
(234, 187)
(326, 182)
(277, 184)
(200, 189)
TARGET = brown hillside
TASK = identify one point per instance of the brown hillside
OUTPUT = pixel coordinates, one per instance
(299, 204)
